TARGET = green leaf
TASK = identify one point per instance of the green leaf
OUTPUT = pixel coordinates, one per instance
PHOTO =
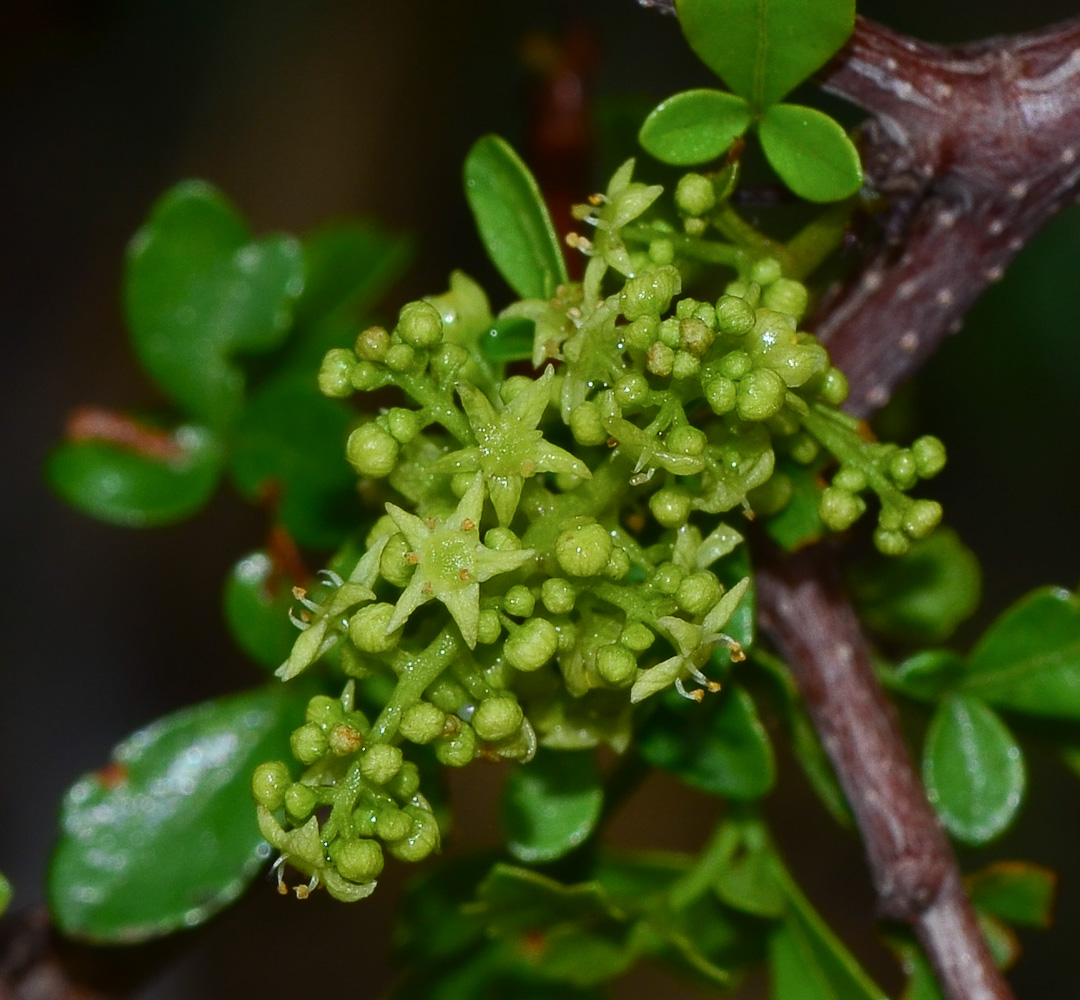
(926, 676)
(509, 339)
(1018, 892)
(350, 267)
(122, 486)
(751, 879)
(1029, 659)
(973, 770)
(5, 893)
(810, 152)
(552, 804)
(569, 933)
(290, 446)
(199, 291)
(695, 126)
(808, 962)
(513, 220)
(165, 835)
(798, 523)
(719, 746)
(257, 600)
(762, 49)
(922, 595)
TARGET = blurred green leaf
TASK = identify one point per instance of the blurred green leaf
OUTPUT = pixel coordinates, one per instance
(1018, 892)
(290, 445)
(638, 881)
(552, 804)
(122, 486)
(164, 836)
(751, 879)
(512, 219)
(811, 153)
(927, 676)
(257, 600)
(1029, 659)
(719, 746)
(569, 933)
(200, 291)
(808, 962)
(973, 770)
(5, 893)
(798, 523)
(920, 596)
(762, 49)
(695, 126)
(350, 267)
(509, 340)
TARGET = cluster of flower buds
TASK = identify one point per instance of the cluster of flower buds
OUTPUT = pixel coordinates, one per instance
(549, 551)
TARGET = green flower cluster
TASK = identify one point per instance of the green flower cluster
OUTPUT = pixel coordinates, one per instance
(550, 549)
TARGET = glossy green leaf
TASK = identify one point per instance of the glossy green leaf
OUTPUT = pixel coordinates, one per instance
(512, 219)
(509, 340)
(922, 595)
(973, 770)
(289, 447)
(798, 524)
(1029, 659)
(122, 486)
(199, 291)
(552, 804)
(808, 962)
(1017, 892)
(695, 126)
(718, 746)
(927, 676)
(810, 152)
(257, 600)
(164, 836)
(762, 49)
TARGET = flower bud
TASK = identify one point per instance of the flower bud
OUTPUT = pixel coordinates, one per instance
(344, 739)
(488, 626)
(497, 718)
(531, 645)
(765, 270)
(269, 784)
(300, 801)
(583, 549)
(698, 592)
(367, 628)
(839, 509)
(308, 743)
(457, 750)
(372, 344)
(670, 506)
(891, 543)
(421, 841)
(586, 425)
(519, 601)
(760, 395)
(720, 393)
(422, 722)
(393, 824)
(616, 665)
(694, 195)
(335, 372)
(787, 296)
(324, 711)
(401, 358)
(371, 451)
(406, 783)
(420, 324)
(558, 595)
(357, 860)
(380, 762)
(404, 424)
(922, 517)
(631, 391)
(394, 564)
(929, 455)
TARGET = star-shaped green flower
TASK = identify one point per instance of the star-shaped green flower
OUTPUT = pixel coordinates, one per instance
(695, 644)
(509, 448)
(451, 562)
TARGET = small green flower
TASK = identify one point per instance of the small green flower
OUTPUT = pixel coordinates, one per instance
(695, 645)
(451, 562)
(623, 202)
(509, 449)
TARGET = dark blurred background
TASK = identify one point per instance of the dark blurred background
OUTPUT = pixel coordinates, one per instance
(306, 112)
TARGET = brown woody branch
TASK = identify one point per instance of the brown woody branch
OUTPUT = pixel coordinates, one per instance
(975, 148)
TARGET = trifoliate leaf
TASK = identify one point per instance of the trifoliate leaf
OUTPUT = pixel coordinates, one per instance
(165, 834)
(810, 152)
(513, 220)
(973, 770)
(762, 49)
(695, 126)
